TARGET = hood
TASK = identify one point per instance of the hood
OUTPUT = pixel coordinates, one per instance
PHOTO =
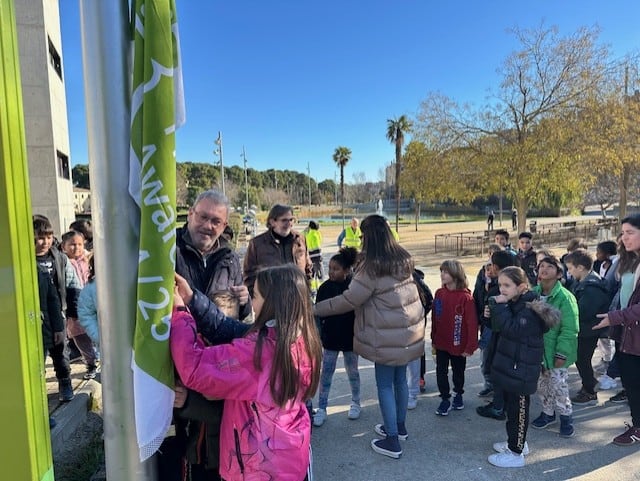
(592, 280)
(549, 314)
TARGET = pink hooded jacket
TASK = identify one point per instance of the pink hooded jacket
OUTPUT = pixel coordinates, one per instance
(258, 439)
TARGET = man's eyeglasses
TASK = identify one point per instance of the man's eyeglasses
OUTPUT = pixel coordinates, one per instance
(205, 219)
(288, 220)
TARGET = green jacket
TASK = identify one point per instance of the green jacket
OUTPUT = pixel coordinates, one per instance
(561, 340)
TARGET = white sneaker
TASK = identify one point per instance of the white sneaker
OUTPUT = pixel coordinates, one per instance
(412, 403)
(354, 411)
(508, 459)
(319, 417)
(601, 367)
(503, 447)
(605, 383)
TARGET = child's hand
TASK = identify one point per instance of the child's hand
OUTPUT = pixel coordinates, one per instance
(241, 292)
(181, 395)
(183, 289)
(177, 298)
(487, 312)
(501, 299)
(58, 337)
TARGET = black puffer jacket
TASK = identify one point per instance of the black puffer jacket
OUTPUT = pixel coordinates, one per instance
(50, 310)
(518, 359)
(215, 272)
(593, 296)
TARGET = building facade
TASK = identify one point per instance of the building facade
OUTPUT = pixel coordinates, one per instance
(45, 111)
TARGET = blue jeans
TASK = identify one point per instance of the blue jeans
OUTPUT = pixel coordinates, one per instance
(393, 395)
(413, 378)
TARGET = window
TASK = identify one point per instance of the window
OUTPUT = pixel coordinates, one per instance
(54, 59)
(63, 165)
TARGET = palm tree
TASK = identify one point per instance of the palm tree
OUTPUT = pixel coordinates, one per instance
(341, 156)
(396, 129)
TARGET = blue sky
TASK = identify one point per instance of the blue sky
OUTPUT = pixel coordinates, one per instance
(293, 80)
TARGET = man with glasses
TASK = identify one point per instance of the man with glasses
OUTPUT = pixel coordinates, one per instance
(208, 262)
(280, 244)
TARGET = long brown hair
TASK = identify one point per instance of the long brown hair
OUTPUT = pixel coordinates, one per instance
(628, 260)
(287, 301)
(381, 254)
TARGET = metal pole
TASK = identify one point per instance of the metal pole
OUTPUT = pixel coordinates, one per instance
(105, 45)
(219, 152)
(309, 175)
(246, 182)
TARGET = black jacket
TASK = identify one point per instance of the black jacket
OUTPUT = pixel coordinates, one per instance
(594, 297)
(215, 272)
(517, 361)
(50, 309)
(336, 331)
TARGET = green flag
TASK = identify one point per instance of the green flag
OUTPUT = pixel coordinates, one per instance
(157, 110)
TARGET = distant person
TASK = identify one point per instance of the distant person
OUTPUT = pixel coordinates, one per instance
(380, 208)
(52, 324)
(527, 256)
(522, 321)
(490, 219)
(389, 325)
(593, 297)
(514, 219)
(280, 244)
(454, 333)
(501, 237)
(56, 264)
(84, 227)
(560, 349)
(73, 246)
(336, 332)
(350, 235)
(313, 237)
(264, 377)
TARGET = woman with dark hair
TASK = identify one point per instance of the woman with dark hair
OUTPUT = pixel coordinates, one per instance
(625, 324)
(389, 324)
(279, 245)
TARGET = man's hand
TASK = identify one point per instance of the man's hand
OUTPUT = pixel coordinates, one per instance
(241, 292)
(58, 337)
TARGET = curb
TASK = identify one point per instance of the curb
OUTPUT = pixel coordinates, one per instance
(69, 416)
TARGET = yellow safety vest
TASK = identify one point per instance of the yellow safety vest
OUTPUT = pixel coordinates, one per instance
(351, 238)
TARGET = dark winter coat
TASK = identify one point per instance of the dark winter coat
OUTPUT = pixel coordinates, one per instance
(267, 250)
(593, 296)
(529, 264)
(517, 361)
(625, 323)
(217, 271)
(50, 309)
(336, 331)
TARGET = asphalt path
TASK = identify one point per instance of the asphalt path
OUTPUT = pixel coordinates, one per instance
(457, 446)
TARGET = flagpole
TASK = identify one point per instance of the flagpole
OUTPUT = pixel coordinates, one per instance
(105, 47)
(218, 151)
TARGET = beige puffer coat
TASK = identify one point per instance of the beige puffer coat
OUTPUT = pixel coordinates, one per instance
(389, 323)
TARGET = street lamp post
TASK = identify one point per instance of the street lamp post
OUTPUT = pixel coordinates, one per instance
(218, 152)
(309, 175)
(246, 182)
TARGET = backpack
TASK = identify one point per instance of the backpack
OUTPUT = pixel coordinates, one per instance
(426, 297)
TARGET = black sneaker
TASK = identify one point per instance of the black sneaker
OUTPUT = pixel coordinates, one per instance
(488, 411)
(91, 373)
(387, 447)
(583, 398)
(621, 397)
(486, 392)
(65, 390)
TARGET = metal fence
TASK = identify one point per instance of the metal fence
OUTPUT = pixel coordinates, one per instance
(477, 242)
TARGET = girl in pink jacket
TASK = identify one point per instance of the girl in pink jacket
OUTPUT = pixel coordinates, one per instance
(264, 378)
